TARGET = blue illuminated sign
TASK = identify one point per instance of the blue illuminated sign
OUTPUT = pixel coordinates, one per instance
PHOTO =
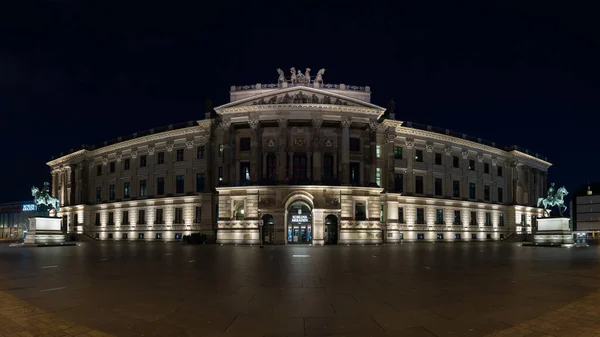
(29, 207)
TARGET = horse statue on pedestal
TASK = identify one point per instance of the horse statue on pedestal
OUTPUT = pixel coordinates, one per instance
(554, 199)
(319, 77)
(281, 76)
(293, 75)
(43, 197)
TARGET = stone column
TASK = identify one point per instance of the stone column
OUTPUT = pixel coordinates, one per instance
(309, 166)
(429, 178)
(346, 151)
(54, 182)
(390, 137)
(209, 167)
(226, 157)
(464, 167)
(335, 166)
(373, 152)
(316, 163)
(254, 149)
(448, 190)
(410, 157)
(281, 157)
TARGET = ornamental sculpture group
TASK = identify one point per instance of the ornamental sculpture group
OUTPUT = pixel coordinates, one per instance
(299, 77)
(43, 198)
(554, 198)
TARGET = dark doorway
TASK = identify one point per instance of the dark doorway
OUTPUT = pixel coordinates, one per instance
(331, 230)
(268, 230)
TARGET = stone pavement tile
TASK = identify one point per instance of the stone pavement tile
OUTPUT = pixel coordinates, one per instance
(304, 308)
(417, 331)
(200, 319)
(267, 326)
(148, 310)
(364, 326)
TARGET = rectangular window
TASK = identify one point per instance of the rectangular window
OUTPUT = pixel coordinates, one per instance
(523, 220)
(158, 236)
(438, 159)
(457, 221)
(456, 188)
(355, 174)
(401, 236)
(99, 170)
(499, 171)
(457, 236)
(419, 184)
(198, 214)
(111, 218)
(126, 164)
(455, 162)
(438, 186)
(501, 236)
(272, 166)
(473, 236)
(125, 217)
(178, 215)
(179, 184)
(355, 144)
(200, 152)
(378, 176)
(245, 144)
(486, 168)
(126, 190)
(221, 150)
(420, 236)
(420, 216)
(143, 192)
(501, 219)
(112, 167)
(141, 217)
(472, 194)
(244, 172)
(160, 158)
(200, 182)
(488, 218)
(141, 236)
(471, 165)
(401, 214)
(75, 219)
(220, 173)
(160, 185)
(124, 236)
(378, 150)
(488, 236)
(360, 211)
(97, 222)
(419, 156)
(98, 194)
(399, 183)
(440, 236)
(110, 235)
(439, 216)
(486, 193)
(178, 236)
(143, 161)
(158, 219)
(473, 219)
(111, 192)
(179, 155)
(397, 152)
(500, 194)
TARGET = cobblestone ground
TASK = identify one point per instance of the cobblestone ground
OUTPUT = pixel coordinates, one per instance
(20, 319)
(580, 318)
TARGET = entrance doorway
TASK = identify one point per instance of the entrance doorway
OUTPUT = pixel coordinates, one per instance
(268, 230)
(299, 223)
(331, 230)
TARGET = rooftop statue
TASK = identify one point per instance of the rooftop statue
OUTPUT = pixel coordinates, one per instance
(319, 77)
(554, 198)
(44, 198)
(297, 77)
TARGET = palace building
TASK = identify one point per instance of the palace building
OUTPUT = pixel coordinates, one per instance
(300, 162)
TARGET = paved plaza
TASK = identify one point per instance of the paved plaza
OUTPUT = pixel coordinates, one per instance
(158, 289)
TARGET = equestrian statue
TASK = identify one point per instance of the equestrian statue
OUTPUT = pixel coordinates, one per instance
(554, 199)
(44, 198)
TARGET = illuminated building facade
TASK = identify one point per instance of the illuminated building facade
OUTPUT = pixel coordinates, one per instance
(13, 218)
(300, 162)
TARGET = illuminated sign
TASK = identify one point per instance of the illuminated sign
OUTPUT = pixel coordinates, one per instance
(29, 208)
(300, 218)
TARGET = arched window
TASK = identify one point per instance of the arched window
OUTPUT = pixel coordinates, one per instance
(238, 212)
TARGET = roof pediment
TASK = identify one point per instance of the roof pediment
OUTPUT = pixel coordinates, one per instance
(298, 97)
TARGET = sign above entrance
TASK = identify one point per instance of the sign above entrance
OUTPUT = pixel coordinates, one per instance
(300, 218)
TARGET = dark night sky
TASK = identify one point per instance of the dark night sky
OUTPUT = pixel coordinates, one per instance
(73, 72)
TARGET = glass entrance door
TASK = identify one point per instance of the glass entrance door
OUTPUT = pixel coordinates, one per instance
(299, 223)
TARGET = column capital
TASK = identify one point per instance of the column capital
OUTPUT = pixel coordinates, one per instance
(317, 122)
(346, 123)
(448, 150)
(409, 142)
(282, 122)
(225, 125)
(253, 123)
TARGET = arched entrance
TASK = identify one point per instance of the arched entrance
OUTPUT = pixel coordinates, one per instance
(331, 230)
(299, 222)
(268, 229)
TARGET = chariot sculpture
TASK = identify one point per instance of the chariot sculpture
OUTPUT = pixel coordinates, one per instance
(297, 77)
(554, 198)
(43, 198)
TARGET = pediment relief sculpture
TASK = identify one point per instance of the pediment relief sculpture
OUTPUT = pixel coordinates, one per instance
(300, 98)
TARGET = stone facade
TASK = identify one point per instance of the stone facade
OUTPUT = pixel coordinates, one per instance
(309, 163)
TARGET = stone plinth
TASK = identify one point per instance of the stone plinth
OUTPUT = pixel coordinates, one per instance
(553, 231)
(45, 230)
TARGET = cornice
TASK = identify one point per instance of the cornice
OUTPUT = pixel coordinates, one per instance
(304, 106)
(526, 156)
(131, 143)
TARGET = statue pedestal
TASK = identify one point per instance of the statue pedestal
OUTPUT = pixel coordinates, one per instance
(44, 231)
(553, 232)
